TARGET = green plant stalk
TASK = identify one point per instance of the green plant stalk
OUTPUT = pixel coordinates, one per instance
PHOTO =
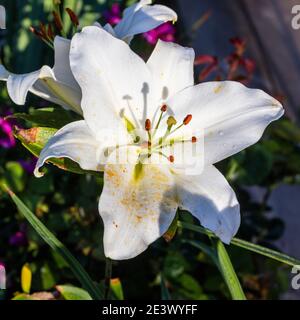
(226, 268)
(281, 257)
(108, 272)
(82, 276)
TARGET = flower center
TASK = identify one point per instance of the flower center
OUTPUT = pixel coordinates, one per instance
(156, 144)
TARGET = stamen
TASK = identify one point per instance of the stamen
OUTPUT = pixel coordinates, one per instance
(147, 125)
(171, 158)
(164, 108)
(187, 119)
(194, 139)
(171, 122)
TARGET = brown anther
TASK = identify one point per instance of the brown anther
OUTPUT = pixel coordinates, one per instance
(171, 158)
(57, 20)
(164, 108)
(194, 139)
(73, 17)
(187, 119)
(149, 144)
(148, 125)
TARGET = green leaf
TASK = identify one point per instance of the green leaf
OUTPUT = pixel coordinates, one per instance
(47, 117)
(226, 268)
(23, 296)
(35, 139)
(73, 293)
(281, 257)
(57, 246)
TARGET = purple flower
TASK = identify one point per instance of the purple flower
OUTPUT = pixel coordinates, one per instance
(18, 239)
(113, 16)
(165, 32)
(7, 139)
(28, 165)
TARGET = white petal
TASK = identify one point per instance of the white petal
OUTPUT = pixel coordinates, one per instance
(62, 68)
(56, 85)
(135, 211)
(141, 17)
(74, 141)
(113, 79)
(210, 199)
(232, 116)
(19, 85)
(172, 67)
(2, 18)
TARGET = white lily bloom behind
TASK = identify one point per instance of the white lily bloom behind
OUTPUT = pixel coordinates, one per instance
(139, 201)
(57, 84)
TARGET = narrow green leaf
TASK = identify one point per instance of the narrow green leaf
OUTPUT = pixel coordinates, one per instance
(221, 259)
(57, 246)
(227, 271)
(273, 254)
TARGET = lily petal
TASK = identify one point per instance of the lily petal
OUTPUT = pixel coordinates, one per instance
(74, 141)
(141, 17)
(56, 85)
(231, 115)
(137, 207)
(114, 81)
(212, 201)
(2, 18)
(172, 67)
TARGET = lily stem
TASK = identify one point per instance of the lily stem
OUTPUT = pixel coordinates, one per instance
(108, 272)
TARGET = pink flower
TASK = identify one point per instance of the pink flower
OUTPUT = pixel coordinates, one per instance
(113, 16)
(7, 139)
(165, 32)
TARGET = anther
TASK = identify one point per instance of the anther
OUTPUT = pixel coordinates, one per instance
(171, 158)
(147, 125)
(171, 121)
(164, 108)
(187, 119)
(194, 139)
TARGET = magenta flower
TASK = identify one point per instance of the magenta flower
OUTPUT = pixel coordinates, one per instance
(7, 139)
(113, 16)
(165, 32)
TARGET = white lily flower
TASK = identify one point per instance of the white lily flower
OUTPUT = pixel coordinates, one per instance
(58, 84)
(139, 201)
(2, 18)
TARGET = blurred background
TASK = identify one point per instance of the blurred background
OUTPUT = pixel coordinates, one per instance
(248, 41)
